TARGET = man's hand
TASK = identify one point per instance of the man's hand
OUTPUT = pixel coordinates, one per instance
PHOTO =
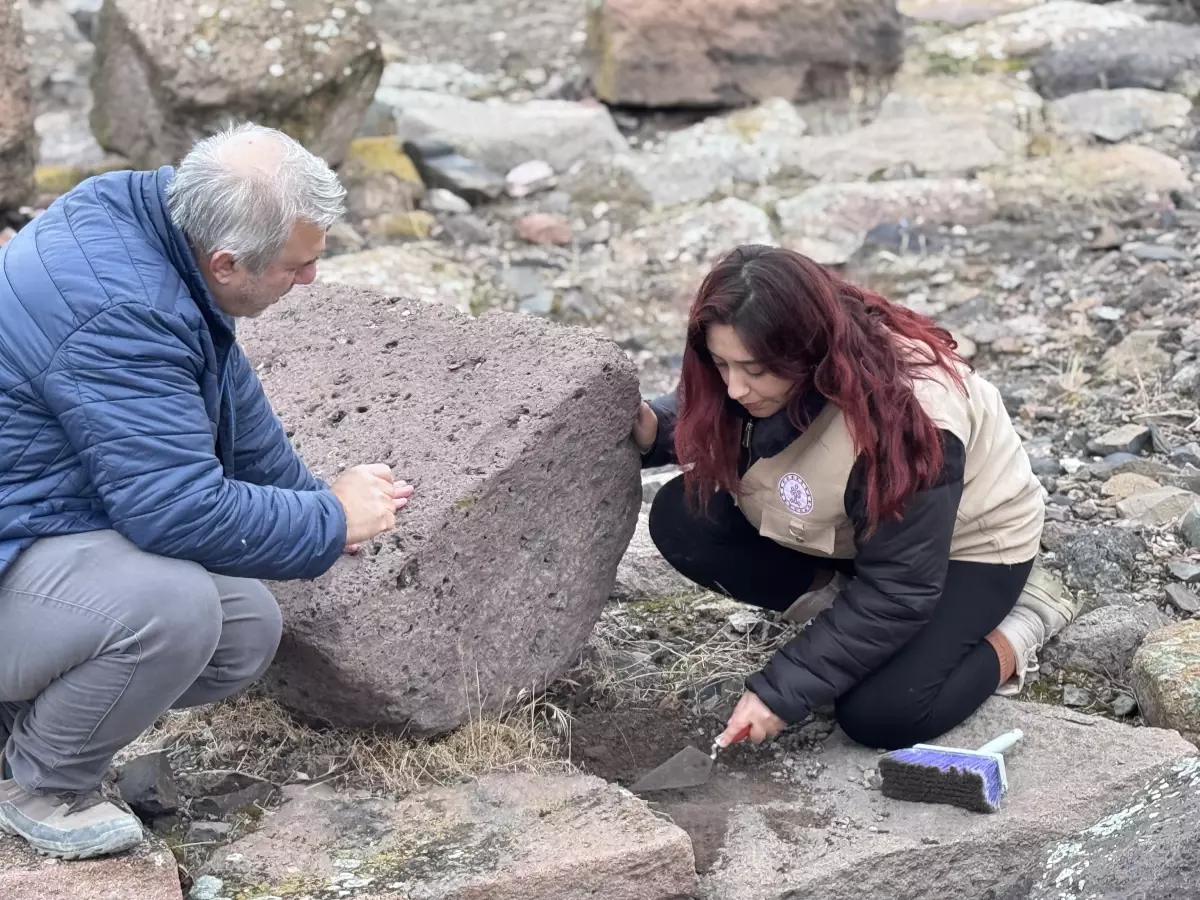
(371, 500)
(751, 711)
(645, 427)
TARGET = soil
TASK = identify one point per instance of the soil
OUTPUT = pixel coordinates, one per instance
(622, 746)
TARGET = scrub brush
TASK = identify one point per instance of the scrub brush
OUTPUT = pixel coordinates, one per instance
(926, 773)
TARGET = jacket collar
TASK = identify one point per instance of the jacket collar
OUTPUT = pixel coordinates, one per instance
(772, 435)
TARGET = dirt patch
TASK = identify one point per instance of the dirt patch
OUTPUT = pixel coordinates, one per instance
(621, 746)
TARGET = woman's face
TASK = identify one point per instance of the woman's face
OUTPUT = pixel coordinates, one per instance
(747, 381)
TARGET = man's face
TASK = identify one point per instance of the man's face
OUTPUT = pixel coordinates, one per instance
(241, 294)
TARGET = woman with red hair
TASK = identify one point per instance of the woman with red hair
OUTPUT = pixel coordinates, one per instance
(843, 465)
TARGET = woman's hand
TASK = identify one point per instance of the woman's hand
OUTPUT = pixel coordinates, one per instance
(751, 711)
(645, 427)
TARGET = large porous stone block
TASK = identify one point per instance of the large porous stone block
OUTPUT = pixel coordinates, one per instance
(516, 435)
(169, 72)
(732, 52)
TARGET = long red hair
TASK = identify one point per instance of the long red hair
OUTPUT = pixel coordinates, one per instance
(804, 324)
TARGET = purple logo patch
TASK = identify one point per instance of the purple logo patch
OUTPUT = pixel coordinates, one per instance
(795, 494)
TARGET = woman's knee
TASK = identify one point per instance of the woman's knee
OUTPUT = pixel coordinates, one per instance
(883, 718)
(668, 515)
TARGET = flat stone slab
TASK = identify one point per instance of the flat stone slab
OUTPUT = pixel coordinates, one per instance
(1147, 849)
(504, 837)
(516, 436)
(147, 873)
(828, 835)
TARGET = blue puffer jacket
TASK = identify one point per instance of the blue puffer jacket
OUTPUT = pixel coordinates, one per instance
(126, 403)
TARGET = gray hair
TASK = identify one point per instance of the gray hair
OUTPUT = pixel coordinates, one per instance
(250, 214)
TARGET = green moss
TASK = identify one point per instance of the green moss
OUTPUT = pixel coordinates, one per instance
(945, 64)
(464, 503)
(381, 155)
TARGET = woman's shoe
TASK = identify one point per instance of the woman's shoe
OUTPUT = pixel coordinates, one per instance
(1043, 610)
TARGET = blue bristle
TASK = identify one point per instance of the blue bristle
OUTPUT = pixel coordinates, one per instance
(957, 763)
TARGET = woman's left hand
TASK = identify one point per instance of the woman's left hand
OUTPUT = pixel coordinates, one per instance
(751, 711)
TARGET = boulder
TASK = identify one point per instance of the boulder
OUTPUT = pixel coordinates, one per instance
(1031, 31)
(169, 72)
(1122, 174)
(515, 434)
(824, 833)
(1189, 526)
(18, 139)
(1138, 353)
(700, 235)
(1115, 115)
(1160, 56)
(721, 52)
(998, 96)
(1123, 439)
(1127, 484)
(945, 145)
(961, 13)
(1162, 506)
(148, 872)
(1104, 640)
(748, 147)
(1147, 848)
(60, 67)
(503, 135)
(829, 222)
(425, 270)
(505, 837)
(379, 178)
(1166, 678)
(1101, 558)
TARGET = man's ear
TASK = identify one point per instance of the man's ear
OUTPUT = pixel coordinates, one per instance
(223, 266)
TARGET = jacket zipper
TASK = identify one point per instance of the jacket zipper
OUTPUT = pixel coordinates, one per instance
(746, 434)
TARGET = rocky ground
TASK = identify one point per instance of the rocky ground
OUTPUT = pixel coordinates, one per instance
(1030, 178)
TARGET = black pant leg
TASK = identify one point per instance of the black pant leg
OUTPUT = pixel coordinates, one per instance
(945, 673)
(722, 552)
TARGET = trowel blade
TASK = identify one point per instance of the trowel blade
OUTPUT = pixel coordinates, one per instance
(687, 768)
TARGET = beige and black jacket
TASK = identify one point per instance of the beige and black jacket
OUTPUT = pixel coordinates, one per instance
(804, 488)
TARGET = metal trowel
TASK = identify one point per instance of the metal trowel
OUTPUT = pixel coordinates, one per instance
(689, 767)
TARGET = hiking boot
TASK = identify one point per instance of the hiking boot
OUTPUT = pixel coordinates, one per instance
(1042, 611)
(69, 826)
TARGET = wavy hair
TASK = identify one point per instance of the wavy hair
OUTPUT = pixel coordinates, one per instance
(806, 325)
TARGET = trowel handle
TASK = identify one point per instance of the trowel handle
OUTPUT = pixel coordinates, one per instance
(1002, 743)
(740, 736)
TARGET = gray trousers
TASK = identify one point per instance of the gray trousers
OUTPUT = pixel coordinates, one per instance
(98, 639)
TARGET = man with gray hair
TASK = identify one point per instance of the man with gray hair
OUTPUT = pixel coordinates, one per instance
(145, 482)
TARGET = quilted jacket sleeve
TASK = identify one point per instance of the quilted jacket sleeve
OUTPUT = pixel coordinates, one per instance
(662, 452)
(138, 424)
(262, 452)
(899, 573)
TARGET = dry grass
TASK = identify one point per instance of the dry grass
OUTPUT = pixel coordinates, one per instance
(254, 734)
(640, 654)
(634, 659)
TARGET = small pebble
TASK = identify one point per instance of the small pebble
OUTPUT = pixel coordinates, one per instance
(1124, 705)
(1076, 696)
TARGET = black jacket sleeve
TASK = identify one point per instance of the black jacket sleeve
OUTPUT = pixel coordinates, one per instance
(899, 572)
(662, 453)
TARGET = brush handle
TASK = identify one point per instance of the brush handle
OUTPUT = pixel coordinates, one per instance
(1002, 743)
